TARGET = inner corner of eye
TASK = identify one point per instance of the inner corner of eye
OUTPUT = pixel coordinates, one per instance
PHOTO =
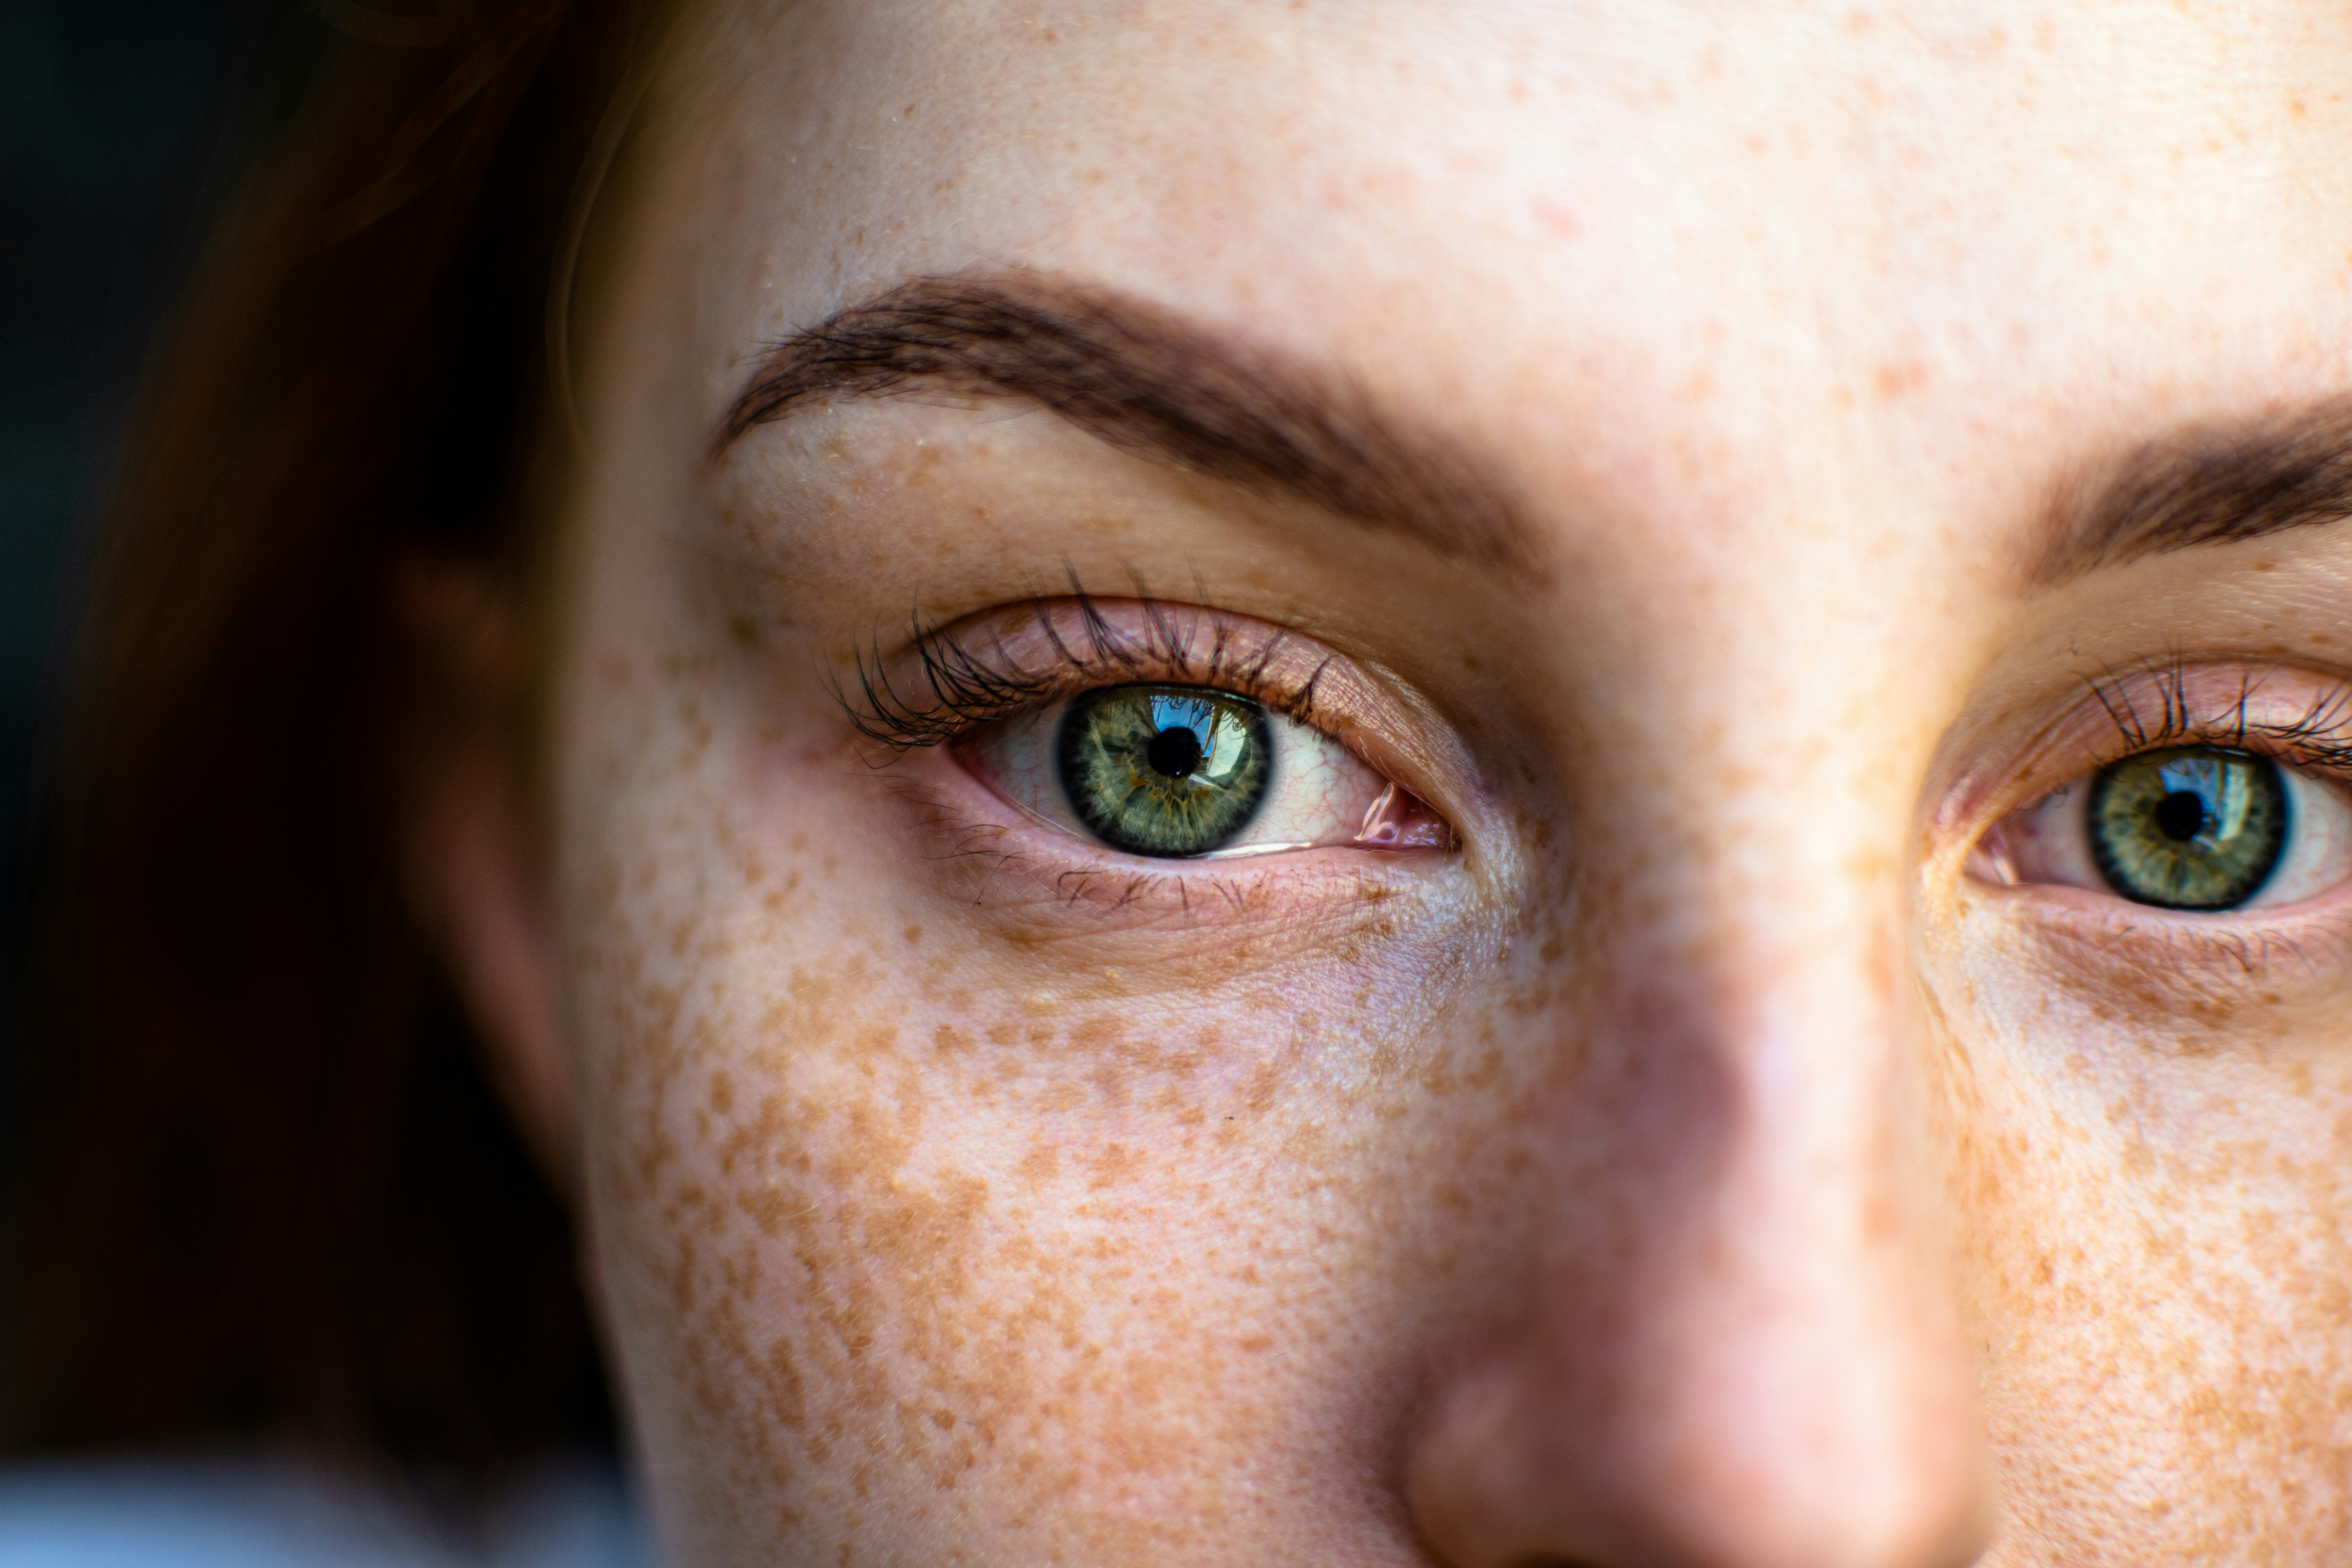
(1992, 859)
(1399, 819)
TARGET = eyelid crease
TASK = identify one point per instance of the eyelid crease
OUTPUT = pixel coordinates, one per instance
(1021, 659)
(2297, 716)
(2316, 735)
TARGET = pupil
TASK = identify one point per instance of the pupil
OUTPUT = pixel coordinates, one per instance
(2188, 827)
(1177, 751)
(2179, 816)
(1170, 772)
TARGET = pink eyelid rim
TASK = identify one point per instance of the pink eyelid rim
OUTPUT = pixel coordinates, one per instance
(1397, 821)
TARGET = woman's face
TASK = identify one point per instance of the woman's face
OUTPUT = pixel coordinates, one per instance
(1338, 784)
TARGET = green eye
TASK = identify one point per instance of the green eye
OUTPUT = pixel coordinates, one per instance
(1166, 770)
(2192, 828)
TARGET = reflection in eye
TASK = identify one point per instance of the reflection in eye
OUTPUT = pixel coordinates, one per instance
(1165, 769)
(2188, 827)
(2199, 828)
(1183, 772)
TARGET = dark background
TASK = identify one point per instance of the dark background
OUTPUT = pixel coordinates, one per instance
(127, 128)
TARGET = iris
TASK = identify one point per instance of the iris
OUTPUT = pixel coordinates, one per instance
(2190, 827)
(1165, 771)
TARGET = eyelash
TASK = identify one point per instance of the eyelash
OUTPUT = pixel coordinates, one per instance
(971, 687)
(2320, 739)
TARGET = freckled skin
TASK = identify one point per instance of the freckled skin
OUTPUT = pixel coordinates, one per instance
(1694, 1168)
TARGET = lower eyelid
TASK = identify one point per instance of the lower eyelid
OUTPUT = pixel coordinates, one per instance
(1244, 911)
(2037, 845)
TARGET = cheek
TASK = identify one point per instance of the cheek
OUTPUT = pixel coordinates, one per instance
(885, 1203)
(2153, 1210)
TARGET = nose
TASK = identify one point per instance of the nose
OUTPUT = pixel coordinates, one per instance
(1733, 1343)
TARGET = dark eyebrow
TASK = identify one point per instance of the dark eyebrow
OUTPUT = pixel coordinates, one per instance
(1142, 379)
(2205, 484)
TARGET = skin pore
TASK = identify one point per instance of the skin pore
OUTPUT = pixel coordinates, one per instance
(1728, 459)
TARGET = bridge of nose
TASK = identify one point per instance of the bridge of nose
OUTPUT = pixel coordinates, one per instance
(1735, 1342)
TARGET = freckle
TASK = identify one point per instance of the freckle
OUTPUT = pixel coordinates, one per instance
(766, 1205)
(1113, 1165)
(913, 934)
(1897, 380)
(786, 1399)
(1555, 220)
(1039, 1166)
(812, 992)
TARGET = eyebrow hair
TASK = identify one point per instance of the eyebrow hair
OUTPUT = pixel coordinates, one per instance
(2203, 484)
(1139, 377)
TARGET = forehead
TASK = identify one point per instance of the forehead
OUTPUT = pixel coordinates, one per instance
(1917, 229)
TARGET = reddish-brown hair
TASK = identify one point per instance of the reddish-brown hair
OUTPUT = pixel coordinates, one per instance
(261, 1191)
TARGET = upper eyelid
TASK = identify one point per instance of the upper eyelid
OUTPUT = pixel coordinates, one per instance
(2297, 715)
(969, 676)
(2301, 743)
(2323, 727)
(1388, 725)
